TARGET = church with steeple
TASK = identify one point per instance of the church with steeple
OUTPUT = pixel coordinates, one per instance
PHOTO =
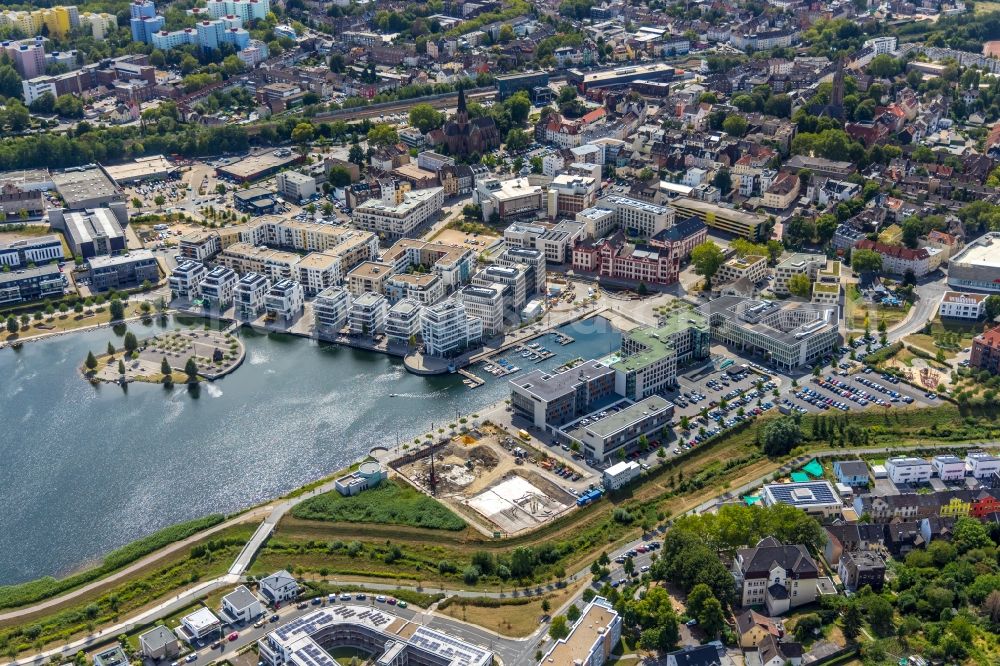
(462, 137)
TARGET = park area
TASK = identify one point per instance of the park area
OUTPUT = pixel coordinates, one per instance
(861, 313)
(214, 354)
(947, 337)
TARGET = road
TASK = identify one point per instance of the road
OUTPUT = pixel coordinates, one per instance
(930, 293)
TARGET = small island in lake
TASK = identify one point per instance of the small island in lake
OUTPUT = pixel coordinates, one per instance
(186, 356)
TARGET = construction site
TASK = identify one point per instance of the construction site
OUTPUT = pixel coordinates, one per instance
(490, 480)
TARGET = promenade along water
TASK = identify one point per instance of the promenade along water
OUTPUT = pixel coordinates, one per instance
(89, 468)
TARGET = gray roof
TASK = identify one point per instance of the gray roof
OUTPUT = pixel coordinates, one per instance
(157, 637)
(548, 386)
(240, 598)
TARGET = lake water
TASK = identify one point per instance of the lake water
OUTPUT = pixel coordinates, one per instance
(87, 469)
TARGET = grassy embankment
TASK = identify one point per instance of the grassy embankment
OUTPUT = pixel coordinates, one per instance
(207, 558)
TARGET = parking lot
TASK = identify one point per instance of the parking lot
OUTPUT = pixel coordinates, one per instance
(847, 391)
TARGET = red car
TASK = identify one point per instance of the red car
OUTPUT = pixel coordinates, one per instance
(391, 601)
(232, 637)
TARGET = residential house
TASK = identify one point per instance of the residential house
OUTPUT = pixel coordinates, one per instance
(861, 567)
(752, 628)
(241, 605)
(852, 473)
(278, 588)
(776, 576)
(771, 652)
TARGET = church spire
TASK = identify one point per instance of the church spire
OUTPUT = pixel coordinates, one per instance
(461, 100)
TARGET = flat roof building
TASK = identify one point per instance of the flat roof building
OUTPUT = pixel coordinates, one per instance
(123, 271)
(977, 266)
(86, 187)
(788, 334)
(31, 284)
(91, 232)
(448, 330)
(620, 76)
(592, 638)
(814, 497)
(621, 429)
(508, 200)
(309, 639)
(549, 400)
(741, 223)
(330, 309)
(261, 165)
(38, 250)
(396, 219)
(154, 167)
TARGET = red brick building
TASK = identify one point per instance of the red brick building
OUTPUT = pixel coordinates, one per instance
(986, 351)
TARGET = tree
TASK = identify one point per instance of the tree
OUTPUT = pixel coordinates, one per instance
(546, 606)
(116, 309)
(303, 133)
(863, 261)
(336, 63)
(121, 367)
(426, 118)
(735, 125)
(339, 176)
(696, 599)
(44, 103)
(780, 436)
(159, 200)
(12, 325)
(884, 66)
(712, 618)
(559, 628)
(879, 612)
(800, 285)
(992, 307)
(723, 180)
(356, 155)
(191, 370)
(573, 613)
(969, 534)
(130, 342)
(706, 259)
(165, 368)
(852, 621)
(91, 361)
(518, 139)
(506, 33)
(566, 94)
(383, 135)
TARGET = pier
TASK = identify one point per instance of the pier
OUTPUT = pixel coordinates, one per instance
(471, 380)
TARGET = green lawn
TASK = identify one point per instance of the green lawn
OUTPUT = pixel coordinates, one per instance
(392, 503)
(987, 7)
(949, 337)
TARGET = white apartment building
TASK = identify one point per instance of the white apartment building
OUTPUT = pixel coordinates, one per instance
(284, 300)
(368, 314)
(797, 264)
(620, 474)
(447, 329)
(983, 465)
(751, 267)
(218, 287)
(962, 305)
(400, 216)
(485, 303)
(638, 217)
(247, 10)
(948, 467)
(330, 309)
(513, 280)
(907, 469)
(249, 296)
(186, 279)
(26, 251)
(555, 241)
(533, 263)
(402, 322)
(318, 270)
(294, 186)
(424, 288)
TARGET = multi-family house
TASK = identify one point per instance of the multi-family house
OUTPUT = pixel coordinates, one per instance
(776, 576)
